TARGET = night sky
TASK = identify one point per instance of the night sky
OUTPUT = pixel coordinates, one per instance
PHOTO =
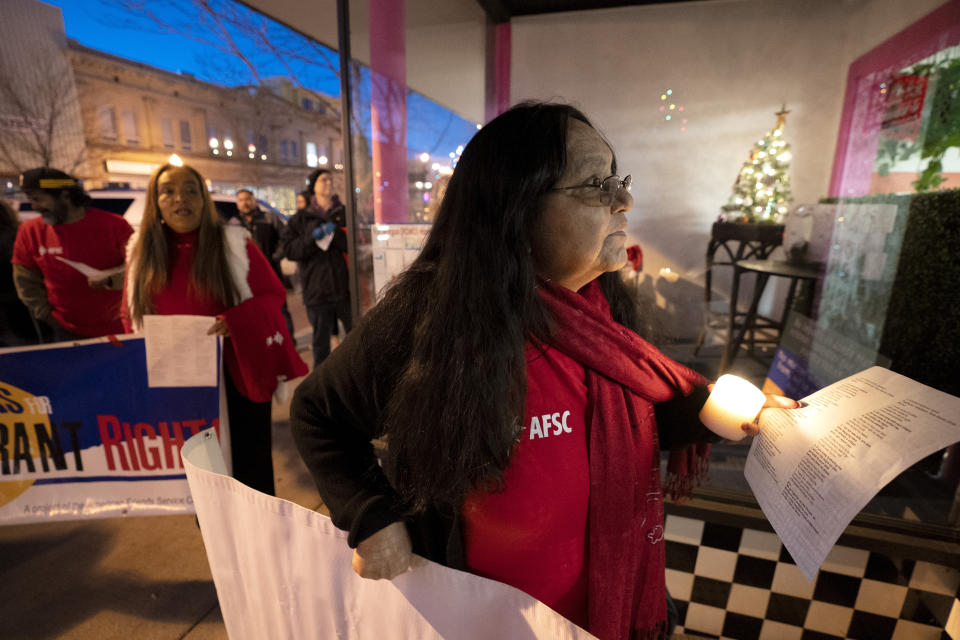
(114, 27)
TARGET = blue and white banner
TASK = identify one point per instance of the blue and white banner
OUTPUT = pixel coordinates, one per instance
(82, 435)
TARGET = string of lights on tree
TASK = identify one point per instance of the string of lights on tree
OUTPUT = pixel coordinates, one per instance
(762, 189)
(671, 110)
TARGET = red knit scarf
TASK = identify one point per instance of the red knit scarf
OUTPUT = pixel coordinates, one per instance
(625, 376)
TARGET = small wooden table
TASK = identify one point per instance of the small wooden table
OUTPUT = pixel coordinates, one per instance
(729, 242)
(797, 272)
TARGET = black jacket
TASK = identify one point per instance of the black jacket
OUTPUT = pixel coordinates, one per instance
(323, 273)
(266, 227)
(336, 413)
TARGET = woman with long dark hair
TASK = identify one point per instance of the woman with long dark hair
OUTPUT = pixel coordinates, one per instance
(523, 413)
(185, 260)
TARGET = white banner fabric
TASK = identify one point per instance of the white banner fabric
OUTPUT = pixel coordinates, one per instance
(284, 571)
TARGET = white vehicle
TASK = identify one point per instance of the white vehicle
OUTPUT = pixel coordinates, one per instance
(24, 210)
(129, 203)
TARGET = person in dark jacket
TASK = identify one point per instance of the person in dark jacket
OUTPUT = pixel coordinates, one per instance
(265, 228)
(315, 238)
(15, 323)
(303, 200)
(523, 412)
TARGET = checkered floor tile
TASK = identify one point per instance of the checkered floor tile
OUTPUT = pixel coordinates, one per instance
(743, 585)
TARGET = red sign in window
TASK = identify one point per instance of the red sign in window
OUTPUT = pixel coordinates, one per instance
(904, 105)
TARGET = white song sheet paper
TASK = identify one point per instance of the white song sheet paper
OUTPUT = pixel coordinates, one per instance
(179, 351)
(92, 272)
(813, 469)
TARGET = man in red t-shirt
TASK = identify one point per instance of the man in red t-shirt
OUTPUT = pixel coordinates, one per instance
(68, 263)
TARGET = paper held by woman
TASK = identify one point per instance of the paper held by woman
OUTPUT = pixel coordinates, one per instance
(814, 468)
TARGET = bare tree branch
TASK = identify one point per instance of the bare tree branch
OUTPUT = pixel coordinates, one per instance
(35, 108)
(227, 38)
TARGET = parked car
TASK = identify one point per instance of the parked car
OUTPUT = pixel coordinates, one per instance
(24, 210)
(129, 203)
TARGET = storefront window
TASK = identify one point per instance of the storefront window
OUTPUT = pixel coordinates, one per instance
(405, 142)
(263, 109)
(887, 290)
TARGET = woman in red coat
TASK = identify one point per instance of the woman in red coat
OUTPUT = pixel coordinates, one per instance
(184, 260)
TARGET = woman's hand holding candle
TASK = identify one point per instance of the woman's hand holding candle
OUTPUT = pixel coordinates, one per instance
(734, 405)
(773, 402)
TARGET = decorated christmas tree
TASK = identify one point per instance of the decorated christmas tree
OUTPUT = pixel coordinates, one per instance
(762, 189)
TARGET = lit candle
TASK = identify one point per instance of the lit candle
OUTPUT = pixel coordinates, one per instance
(732, 402)
(669, 275)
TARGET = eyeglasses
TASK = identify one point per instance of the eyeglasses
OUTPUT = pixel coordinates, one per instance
(607, 189)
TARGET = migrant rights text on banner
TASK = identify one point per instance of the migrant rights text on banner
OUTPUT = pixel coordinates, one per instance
(82, 435)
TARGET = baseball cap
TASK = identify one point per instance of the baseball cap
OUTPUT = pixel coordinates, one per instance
(46, 178)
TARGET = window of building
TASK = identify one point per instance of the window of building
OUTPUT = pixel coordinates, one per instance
(166, 132)
(307, 104)
(311, 154)
(185, 142)
(283, 150)
(131, 132)
(107, 119)
(213, 140)
(293, 151)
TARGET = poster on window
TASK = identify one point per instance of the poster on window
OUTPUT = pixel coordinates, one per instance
(83, 435)
(395, 247)
(903, 110)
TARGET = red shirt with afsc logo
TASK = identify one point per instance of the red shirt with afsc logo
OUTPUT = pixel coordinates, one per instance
(98, 240)
(532, 535)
